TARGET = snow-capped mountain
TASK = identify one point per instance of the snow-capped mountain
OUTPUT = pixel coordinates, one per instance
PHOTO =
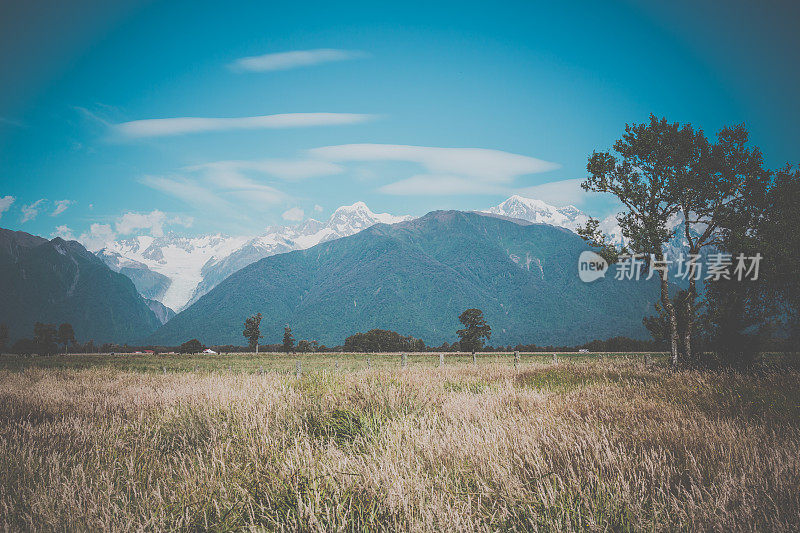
(193, 266)
(571, 217)
(346, 220)
(539, 212)
(179, 259)
(150, 284)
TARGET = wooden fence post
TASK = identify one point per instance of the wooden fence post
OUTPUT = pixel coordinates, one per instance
(164, 369)
(299, 369)
(441, 359)
(403, 360)
(369, 363)
(555, 359)
(516, 360)
(474, 359)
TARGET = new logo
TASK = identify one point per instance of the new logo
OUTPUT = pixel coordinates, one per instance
(591, 266)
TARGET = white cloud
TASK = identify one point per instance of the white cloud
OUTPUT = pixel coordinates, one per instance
(188, 191)
(5, 204)
(181, 125)
(293, 59)
(285, 169)
(294, 214)
(224, 185)
(318, 208)
(154, 222)
(440, 185)
(31, 211)
(448, 170)
(556, 192)
(61, 206)
(98, 236)
(64, 232)
(569, 192)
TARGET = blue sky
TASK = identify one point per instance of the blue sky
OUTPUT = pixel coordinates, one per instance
(296, 108)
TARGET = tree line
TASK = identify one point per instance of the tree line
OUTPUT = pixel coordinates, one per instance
(472, 337)
(47, 339)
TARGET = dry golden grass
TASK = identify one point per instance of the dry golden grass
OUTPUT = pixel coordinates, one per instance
(592, 446)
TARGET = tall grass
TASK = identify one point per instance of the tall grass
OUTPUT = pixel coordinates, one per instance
(600, 446)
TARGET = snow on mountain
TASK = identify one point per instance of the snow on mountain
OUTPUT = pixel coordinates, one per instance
(610, 228)
(196, 265)
(346, 220)
(540, 212)
(180, 259)
(571, 217)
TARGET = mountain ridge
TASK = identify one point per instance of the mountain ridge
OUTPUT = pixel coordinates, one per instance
(59, 281)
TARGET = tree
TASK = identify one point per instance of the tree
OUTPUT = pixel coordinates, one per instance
(191, 346)
(252, 331)
(725, 182)
(288, 339)
(66, 335)
(44, 337)
(475, 331)
(780, 280)
(3, 337)
(740, 315)
(381, 340)
(303, 346)
(642, 176)
(674, 182)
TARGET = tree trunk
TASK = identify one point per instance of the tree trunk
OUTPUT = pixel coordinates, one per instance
(673, 320)
(687, 336)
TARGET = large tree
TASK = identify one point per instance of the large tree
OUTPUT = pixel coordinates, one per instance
(641, 174)
(671, 178)
(66, 335)
(739, 315)
(288, 339)
(44, 337)
(475, 331)
(723, 182)
(252, 331)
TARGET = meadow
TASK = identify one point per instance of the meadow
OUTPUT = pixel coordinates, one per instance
(590, 443)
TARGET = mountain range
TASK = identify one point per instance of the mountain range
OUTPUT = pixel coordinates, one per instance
(183, 269)
(56, 281)
(177, 271)
(416, 277)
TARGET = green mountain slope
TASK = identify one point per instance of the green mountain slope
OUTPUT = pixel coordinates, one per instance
(60, 281)
(416, 278)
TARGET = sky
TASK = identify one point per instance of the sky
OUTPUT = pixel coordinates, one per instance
(126, 118)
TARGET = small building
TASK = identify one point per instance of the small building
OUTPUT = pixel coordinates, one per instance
(209, 351)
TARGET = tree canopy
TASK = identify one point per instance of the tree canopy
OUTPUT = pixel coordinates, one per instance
(252, 331)
(475, 331)
(191, 346)
(288, 339)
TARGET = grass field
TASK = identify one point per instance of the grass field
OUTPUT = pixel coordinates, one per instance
(279, 362)
(110, 442)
